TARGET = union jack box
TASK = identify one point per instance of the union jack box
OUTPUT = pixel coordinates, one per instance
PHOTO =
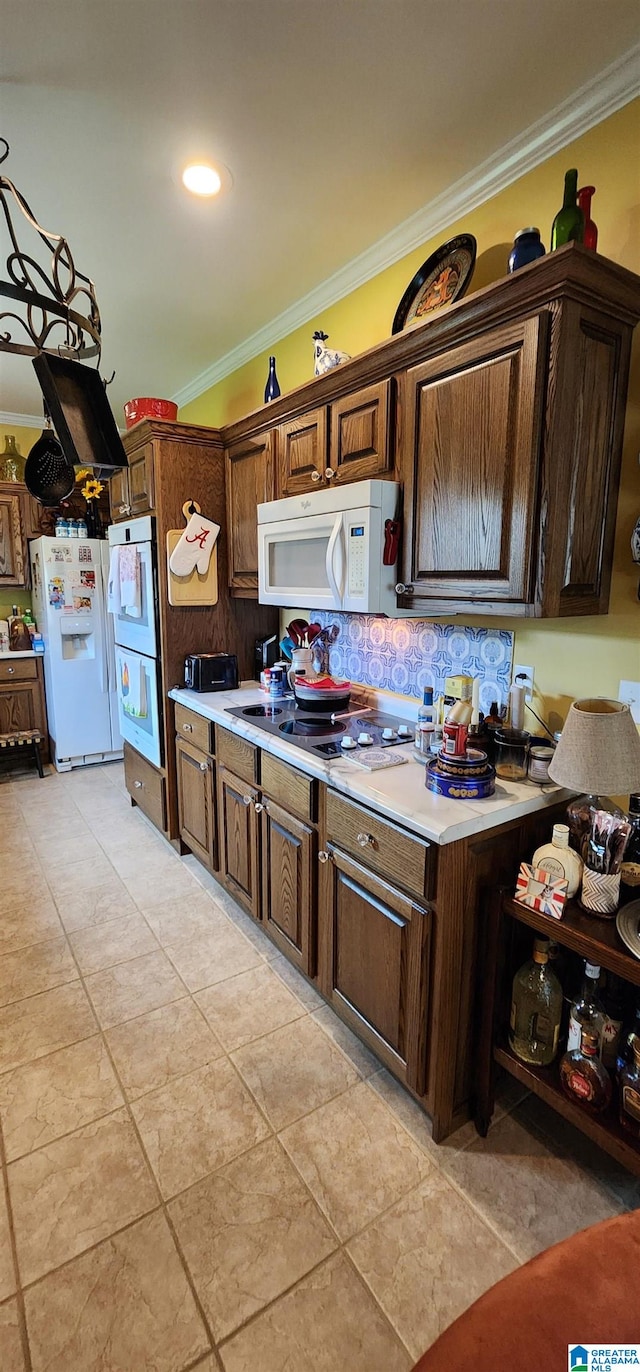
(541, 891)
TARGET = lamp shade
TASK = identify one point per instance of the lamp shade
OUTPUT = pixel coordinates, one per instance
(599, 749)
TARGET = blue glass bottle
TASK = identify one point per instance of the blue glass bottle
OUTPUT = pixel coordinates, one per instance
(526, 248)
(272, 388)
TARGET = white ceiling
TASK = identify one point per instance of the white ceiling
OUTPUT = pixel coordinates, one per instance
(338, 119)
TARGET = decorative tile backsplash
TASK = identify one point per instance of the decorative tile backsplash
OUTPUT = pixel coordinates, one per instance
(405, 655)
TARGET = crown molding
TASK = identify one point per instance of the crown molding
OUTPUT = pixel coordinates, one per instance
(602, 96)
(21, 421)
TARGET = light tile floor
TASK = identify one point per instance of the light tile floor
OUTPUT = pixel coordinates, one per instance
(201, 1167)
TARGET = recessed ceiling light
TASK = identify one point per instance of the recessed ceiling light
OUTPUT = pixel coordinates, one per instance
(201, 179)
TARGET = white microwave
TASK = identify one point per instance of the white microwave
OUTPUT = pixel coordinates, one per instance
(325, 550)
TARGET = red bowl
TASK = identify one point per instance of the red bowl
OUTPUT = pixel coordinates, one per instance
(145, 407)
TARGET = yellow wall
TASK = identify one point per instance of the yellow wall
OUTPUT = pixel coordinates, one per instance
(570, 657)
(25, 439)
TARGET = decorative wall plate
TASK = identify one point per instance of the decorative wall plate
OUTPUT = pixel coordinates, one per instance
(628, 926)
(443, 278)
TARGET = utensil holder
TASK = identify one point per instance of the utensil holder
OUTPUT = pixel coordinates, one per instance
(600, 893)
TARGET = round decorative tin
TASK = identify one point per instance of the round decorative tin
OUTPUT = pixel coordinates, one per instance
(473, 764)
(460, 787)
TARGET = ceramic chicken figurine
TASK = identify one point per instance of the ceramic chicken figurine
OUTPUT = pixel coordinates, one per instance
(325, 358)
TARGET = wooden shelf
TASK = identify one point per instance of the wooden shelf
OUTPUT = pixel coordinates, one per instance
(596, 939)
(604, 1129)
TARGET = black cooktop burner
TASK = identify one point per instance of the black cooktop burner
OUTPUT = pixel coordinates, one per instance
(262, 711)
(313, 727)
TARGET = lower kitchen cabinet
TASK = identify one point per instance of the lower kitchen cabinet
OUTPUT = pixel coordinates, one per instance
(239, 839)
(289, 884)
(22, 704)
(376, 964)
(196, 802)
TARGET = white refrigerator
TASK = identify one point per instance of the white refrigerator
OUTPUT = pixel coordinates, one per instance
(69, 580)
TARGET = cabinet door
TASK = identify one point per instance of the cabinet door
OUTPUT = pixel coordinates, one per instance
(470, 467)
(119, 494)
(302, 453)
(196, 802)
(238, 837)
(360, 438)
(249, 479)
(141, 494)
(376, 964)
(288, 888)
(13, 560)
(21, 708)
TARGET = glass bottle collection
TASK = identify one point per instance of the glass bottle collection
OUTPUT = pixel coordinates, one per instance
(601, 1028)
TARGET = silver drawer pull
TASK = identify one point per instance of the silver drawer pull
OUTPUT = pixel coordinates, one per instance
(329, 473)
(247, 800)
(315, 476)
(403, 589)
(138, 785)
(259, 807)
(11, 670)
(204, 766)
(323, 856)
(188, 728)
(365, 840)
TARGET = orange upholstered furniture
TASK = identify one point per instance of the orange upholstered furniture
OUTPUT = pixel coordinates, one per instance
(584, 1290)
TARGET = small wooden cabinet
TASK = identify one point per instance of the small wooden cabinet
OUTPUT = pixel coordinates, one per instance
(249, 469)
(131, 489)
(347, 441)
(289, 884)
(376, 966)
(22, 701)
(14, 565)
(196, 802)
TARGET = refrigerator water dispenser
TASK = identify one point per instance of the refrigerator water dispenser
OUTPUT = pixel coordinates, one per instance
(78, 638)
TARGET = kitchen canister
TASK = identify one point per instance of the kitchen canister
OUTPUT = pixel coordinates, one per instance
(539, 758)
(526, 248)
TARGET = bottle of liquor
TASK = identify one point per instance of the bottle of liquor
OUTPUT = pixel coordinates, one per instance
(629, 1034)
(582, 1076)
(630, 1092)
(558, 859)
(426, 723)
(587, 1012)
(613, 1001)
(568, 224)
(590, 239)
(630, 866)
(272, 388)
(536, 1008)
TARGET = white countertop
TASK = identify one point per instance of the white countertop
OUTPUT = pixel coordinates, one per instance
(6, 653)
(399, 792)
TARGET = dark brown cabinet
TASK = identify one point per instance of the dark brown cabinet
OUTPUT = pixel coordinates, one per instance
(348, 441)
(239, 839)
(22, 704)
(13, 547)
(289, 884)
(376, 971)
(131, 490)
(471, 467)
(196, 802)
(249, 468)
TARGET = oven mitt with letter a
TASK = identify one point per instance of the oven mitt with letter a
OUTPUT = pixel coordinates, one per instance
(194, 547)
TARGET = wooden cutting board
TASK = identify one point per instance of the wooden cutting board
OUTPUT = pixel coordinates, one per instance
(193, 589)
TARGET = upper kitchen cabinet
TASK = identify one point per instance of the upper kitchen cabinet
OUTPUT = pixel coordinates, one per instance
(512, 438)
(249, 482)
(348, 440)
(131, 489)
(13, 549)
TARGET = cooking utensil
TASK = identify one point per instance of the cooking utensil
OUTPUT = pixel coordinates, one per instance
(312, 632)
(297, 630)
(319, 704)
(47, 474)
(286, 648)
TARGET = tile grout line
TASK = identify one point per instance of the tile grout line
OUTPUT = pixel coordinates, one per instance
(19, 1296)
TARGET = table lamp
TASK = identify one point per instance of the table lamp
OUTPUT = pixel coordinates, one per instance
(598, 753)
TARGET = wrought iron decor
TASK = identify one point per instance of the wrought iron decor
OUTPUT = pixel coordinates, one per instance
(63, 318)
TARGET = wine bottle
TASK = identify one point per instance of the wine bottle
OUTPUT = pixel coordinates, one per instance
(272, 388)
(590, 239)
(536, 1009)
(568, 224)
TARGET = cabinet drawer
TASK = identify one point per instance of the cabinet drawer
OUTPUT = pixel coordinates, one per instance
(291, 788)
(194, 728)
(407, 861)
(23, 669)
(236, 754)
(146, 786)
